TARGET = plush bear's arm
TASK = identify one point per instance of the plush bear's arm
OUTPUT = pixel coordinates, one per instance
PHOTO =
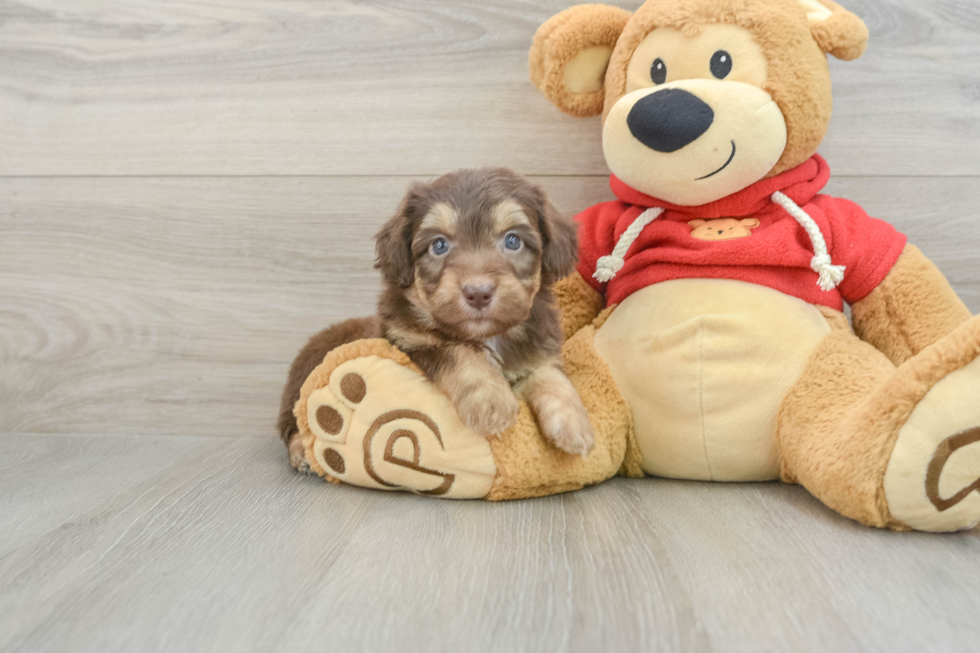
(911, 309)
(578, 302)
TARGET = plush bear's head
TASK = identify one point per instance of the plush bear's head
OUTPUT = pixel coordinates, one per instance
(699, 98)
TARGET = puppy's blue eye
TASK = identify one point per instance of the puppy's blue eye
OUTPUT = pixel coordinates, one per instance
(512, 241)
(439, 246)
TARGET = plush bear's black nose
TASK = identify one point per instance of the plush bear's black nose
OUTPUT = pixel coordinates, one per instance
(668, 120)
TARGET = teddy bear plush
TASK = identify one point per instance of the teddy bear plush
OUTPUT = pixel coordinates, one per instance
(704, 325)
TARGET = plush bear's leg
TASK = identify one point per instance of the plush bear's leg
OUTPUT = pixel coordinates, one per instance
(889, 447)
(368, 417)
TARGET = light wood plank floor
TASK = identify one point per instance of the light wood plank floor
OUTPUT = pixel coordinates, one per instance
(184, 543)
(188, 190)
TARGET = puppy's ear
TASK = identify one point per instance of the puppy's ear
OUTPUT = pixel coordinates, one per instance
(559, 244)
(570, 53)
(696, 223)
(751, 223)
(836, 30)
(393, 243)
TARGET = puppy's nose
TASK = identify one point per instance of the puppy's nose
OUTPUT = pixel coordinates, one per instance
(478, 295)
(668, 120)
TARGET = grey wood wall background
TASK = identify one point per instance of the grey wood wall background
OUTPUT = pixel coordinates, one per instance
(188, 190)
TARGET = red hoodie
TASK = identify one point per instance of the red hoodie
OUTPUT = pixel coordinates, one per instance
(777, 254)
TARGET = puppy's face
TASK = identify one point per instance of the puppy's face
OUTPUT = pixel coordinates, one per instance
(476, 270)
(472, 250)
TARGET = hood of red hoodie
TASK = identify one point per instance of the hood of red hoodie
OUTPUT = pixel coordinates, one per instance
(800, 184)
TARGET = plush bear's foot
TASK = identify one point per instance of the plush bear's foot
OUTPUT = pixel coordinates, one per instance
(889, 447)
(371, 419)
(932, 482)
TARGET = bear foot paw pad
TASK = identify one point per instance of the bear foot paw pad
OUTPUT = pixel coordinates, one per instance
(381, 425)
(932, 482)
(960, 471)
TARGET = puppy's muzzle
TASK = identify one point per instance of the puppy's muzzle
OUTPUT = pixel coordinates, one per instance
(478, 295)
(668, 120)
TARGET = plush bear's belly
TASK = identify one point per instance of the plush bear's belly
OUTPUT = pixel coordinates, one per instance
(705, 364)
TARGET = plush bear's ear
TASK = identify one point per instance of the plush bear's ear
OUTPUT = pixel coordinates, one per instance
(695, 223)
(836, 30)
(570, 53)
(751, 223)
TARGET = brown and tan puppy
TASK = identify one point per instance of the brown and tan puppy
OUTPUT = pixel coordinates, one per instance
(467, 263)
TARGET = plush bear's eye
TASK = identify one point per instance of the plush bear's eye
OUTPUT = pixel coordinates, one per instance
(439, 246)
(658, 71)
(721, 64)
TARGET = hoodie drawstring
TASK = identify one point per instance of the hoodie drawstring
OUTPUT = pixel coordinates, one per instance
(829, 275)
(608, 266)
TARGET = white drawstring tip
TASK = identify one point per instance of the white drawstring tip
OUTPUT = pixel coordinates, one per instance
(830, 275)
(607, 267)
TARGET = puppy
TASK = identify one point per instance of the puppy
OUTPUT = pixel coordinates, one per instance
(467, 264)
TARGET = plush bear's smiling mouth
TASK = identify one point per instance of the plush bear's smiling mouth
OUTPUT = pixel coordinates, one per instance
(730, 159)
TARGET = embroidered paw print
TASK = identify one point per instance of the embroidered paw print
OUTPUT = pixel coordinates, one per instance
(376, 423)
(722, 228)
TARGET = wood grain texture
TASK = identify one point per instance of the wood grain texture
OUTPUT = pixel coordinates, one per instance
(213, 544)
(264, 87)
(158, 306)
(176, 305)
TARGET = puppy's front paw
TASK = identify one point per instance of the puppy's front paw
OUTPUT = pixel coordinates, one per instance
(566, 425)
(297, 456)
(490, 408)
